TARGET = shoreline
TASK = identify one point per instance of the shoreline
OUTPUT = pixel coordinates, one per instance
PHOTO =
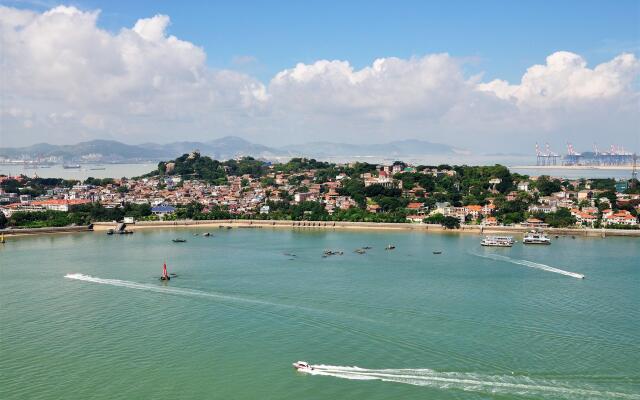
(101, 227)
(576, 167)
(17, 232)
(379, 226)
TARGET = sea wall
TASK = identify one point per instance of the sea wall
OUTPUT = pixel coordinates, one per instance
(40, 231)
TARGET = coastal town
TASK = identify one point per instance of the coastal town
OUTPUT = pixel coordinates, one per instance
(196, 187)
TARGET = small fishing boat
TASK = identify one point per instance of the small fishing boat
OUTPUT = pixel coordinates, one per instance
(110, 231)
(206, 234)
(360, 251)
(390, 247)
(437, 252)
(366, 248)
(179, 240)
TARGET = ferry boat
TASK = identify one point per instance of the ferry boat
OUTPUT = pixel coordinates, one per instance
(536, 237)
(302, 366)
(497, 241)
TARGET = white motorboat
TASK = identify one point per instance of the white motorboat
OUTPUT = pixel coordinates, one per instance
(302, 366)
(536, 237)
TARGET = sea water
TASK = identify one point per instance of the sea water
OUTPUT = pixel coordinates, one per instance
(85, 316)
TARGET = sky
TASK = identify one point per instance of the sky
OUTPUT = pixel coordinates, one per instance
(487, 76)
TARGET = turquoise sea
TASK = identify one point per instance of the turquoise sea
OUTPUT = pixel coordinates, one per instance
(84, 316)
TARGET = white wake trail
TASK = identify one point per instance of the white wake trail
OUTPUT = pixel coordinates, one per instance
(198, 293)
(494, 384)
(166, 289)
(531, 264)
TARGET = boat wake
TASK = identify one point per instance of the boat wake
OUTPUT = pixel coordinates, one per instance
(531, 264)
(209, 295)
(163, 289)
(492, 384)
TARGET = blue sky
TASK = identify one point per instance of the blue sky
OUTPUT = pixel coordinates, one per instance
(492, 76)
(502, 38)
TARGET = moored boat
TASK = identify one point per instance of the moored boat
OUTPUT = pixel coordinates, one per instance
(536, 237)
(497, 241)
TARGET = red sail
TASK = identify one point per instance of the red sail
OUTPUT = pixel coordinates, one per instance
(164, 270)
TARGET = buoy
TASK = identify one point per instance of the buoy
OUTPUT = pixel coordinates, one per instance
(165, 276)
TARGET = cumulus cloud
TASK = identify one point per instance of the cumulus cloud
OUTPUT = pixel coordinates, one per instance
(566, 78)
(130, 85)
(64, 79)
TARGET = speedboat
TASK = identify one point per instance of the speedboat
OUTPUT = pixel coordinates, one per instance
(302, 366)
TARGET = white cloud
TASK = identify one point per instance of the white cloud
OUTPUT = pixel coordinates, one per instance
(566, 78)
(64, 78)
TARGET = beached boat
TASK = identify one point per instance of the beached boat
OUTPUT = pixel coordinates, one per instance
(497, 241)
(536, 237)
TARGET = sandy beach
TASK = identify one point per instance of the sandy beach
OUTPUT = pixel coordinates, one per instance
(102, 227)
(427, 228)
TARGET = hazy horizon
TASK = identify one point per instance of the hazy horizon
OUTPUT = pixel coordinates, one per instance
(163, 73)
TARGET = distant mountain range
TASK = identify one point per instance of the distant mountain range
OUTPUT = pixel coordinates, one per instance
(221, 149)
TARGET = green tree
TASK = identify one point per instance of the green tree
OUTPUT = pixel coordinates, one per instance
(546, 186)
(560, 219)
(450, 222)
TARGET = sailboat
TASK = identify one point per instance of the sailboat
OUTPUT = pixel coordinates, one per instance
(165, 276)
